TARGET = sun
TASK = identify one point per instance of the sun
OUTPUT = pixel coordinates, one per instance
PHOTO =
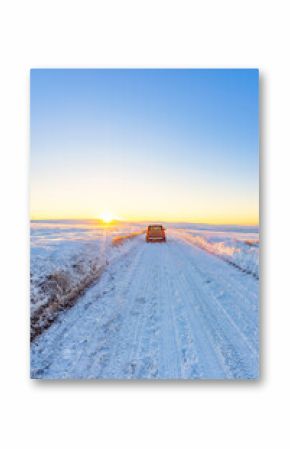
(106, 217)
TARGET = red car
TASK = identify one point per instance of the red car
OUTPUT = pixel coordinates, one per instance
(155, 233)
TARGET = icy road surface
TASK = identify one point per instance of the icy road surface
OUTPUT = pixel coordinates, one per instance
(161, 311)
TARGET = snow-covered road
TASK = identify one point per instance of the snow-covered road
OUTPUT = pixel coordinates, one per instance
(162, 311)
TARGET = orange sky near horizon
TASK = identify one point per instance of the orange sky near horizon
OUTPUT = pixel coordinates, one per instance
(78, 195)
(218, 219)
(136, 201)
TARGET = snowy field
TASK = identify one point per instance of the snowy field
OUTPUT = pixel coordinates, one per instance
(104, 304)
(74, 249)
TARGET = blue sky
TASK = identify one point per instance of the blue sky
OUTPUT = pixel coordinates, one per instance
(145, 144)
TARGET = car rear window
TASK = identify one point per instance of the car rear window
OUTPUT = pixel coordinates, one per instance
(155, 228)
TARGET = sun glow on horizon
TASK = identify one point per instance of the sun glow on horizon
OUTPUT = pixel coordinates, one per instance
(106, 217)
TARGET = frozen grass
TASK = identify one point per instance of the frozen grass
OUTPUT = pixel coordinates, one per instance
(120, 239)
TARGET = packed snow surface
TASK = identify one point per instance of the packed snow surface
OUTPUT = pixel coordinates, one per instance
(187, 308)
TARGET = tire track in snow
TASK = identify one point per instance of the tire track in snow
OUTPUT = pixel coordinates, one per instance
(221, 329)
(202, 361)
(222, 285)
(126, 361)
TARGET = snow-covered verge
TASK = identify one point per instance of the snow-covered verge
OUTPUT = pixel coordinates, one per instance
(239, 247)
(67, 257)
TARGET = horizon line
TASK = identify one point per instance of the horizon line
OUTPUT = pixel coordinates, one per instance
(146, 220)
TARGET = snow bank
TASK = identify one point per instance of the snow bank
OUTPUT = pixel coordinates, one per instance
(66, 257)
(238, 247)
